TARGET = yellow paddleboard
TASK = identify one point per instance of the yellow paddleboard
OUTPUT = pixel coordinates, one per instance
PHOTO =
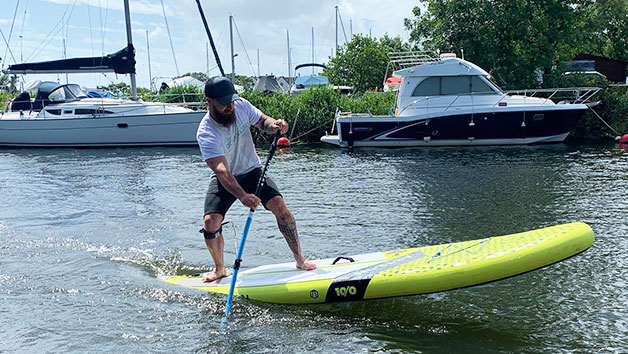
(404, 272)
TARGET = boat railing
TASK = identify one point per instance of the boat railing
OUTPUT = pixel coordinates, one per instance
(575, 95)
(411, 58)
(402, 60)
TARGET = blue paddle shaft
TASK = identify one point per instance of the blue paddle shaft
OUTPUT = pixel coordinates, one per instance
(245, 232)
(236, 266)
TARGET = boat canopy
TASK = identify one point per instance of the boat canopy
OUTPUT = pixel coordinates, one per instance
(307, 65)
(186, 81)
(267, 83)
(447, 67)
(120, 62)
(311, 80)
(52, 92)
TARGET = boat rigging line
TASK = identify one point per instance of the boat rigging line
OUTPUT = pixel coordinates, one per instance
(11, 31)
(91, 34)
(170, 38)
(50, 36)
(103, 25)
(22, 33)
(325, 36)
(211, 40)
(342, 25)
(243, 46)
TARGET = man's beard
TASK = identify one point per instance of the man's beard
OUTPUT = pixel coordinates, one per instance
(223, 119)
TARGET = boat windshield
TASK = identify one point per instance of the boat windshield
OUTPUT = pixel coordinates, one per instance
(66, 93)
(312, 80)
(76, 91)
(492, 81)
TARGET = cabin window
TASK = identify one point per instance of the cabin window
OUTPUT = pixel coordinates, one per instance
(452, 85)
(80, 111)
(56, 112)
(428, 87)
(455, 85)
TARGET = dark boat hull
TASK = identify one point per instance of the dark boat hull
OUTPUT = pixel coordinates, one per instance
(489, 128)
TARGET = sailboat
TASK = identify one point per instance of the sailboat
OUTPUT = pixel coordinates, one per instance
(61, 115)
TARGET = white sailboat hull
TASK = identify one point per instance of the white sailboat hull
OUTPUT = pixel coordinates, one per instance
(130, 130)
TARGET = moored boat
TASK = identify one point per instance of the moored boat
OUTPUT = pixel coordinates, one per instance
(454, 102)
(63, 116)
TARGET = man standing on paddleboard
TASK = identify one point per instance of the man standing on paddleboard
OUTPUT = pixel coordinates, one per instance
(226, 144)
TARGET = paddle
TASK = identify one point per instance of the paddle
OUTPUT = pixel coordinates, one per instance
(245, 232)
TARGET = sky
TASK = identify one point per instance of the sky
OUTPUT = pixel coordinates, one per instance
(96, 27)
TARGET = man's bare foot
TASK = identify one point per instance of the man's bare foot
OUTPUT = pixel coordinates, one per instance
(305, 264)
(215, 275)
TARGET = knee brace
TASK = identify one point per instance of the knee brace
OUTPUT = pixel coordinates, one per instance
(210, 235)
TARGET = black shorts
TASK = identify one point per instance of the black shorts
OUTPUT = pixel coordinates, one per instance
(218, 200)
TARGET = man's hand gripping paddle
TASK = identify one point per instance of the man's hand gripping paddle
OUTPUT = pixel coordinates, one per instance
(245, 232)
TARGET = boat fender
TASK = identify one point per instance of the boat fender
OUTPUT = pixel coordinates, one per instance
(283, 142)
(350, 139)
(623, 139)
(341, 257)
(210, 235)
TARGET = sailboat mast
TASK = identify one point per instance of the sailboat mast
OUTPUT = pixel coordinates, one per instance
(336, 30)
(289, 63)
(232, 55)
(127, 17)
(150, 74)
(211, 40)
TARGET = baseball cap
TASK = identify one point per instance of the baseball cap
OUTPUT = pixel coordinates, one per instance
(221, 89)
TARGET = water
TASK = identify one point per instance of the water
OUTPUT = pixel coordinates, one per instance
(84, 235)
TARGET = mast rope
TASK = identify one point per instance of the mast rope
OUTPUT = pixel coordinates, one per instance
(11, 31)
(244, 47)
(170, 38)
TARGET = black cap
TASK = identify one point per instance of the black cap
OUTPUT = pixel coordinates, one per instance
(221, 89)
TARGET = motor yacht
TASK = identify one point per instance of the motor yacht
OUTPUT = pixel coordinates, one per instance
(451, 101)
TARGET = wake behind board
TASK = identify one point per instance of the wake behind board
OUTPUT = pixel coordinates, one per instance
(404, 272)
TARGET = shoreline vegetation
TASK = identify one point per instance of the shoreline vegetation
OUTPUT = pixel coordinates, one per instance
(311, 114)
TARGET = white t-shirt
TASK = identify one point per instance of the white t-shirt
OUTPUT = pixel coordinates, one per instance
(234, 142)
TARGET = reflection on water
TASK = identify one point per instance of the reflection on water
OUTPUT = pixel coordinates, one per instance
(85, 233)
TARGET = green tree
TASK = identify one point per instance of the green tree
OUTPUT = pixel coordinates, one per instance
(393, 44)
(511, 38)
(244, 81)
(120, 87)
(197, 75)
(362, 62)
(605, 29)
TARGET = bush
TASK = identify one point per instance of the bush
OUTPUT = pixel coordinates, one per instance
(613, 108)
(312, 112)
(179, 94)
(5, 99)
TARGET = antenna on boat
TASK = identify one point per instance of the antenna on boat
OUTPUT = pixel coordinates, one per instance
(127, 17)
(211, 40)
